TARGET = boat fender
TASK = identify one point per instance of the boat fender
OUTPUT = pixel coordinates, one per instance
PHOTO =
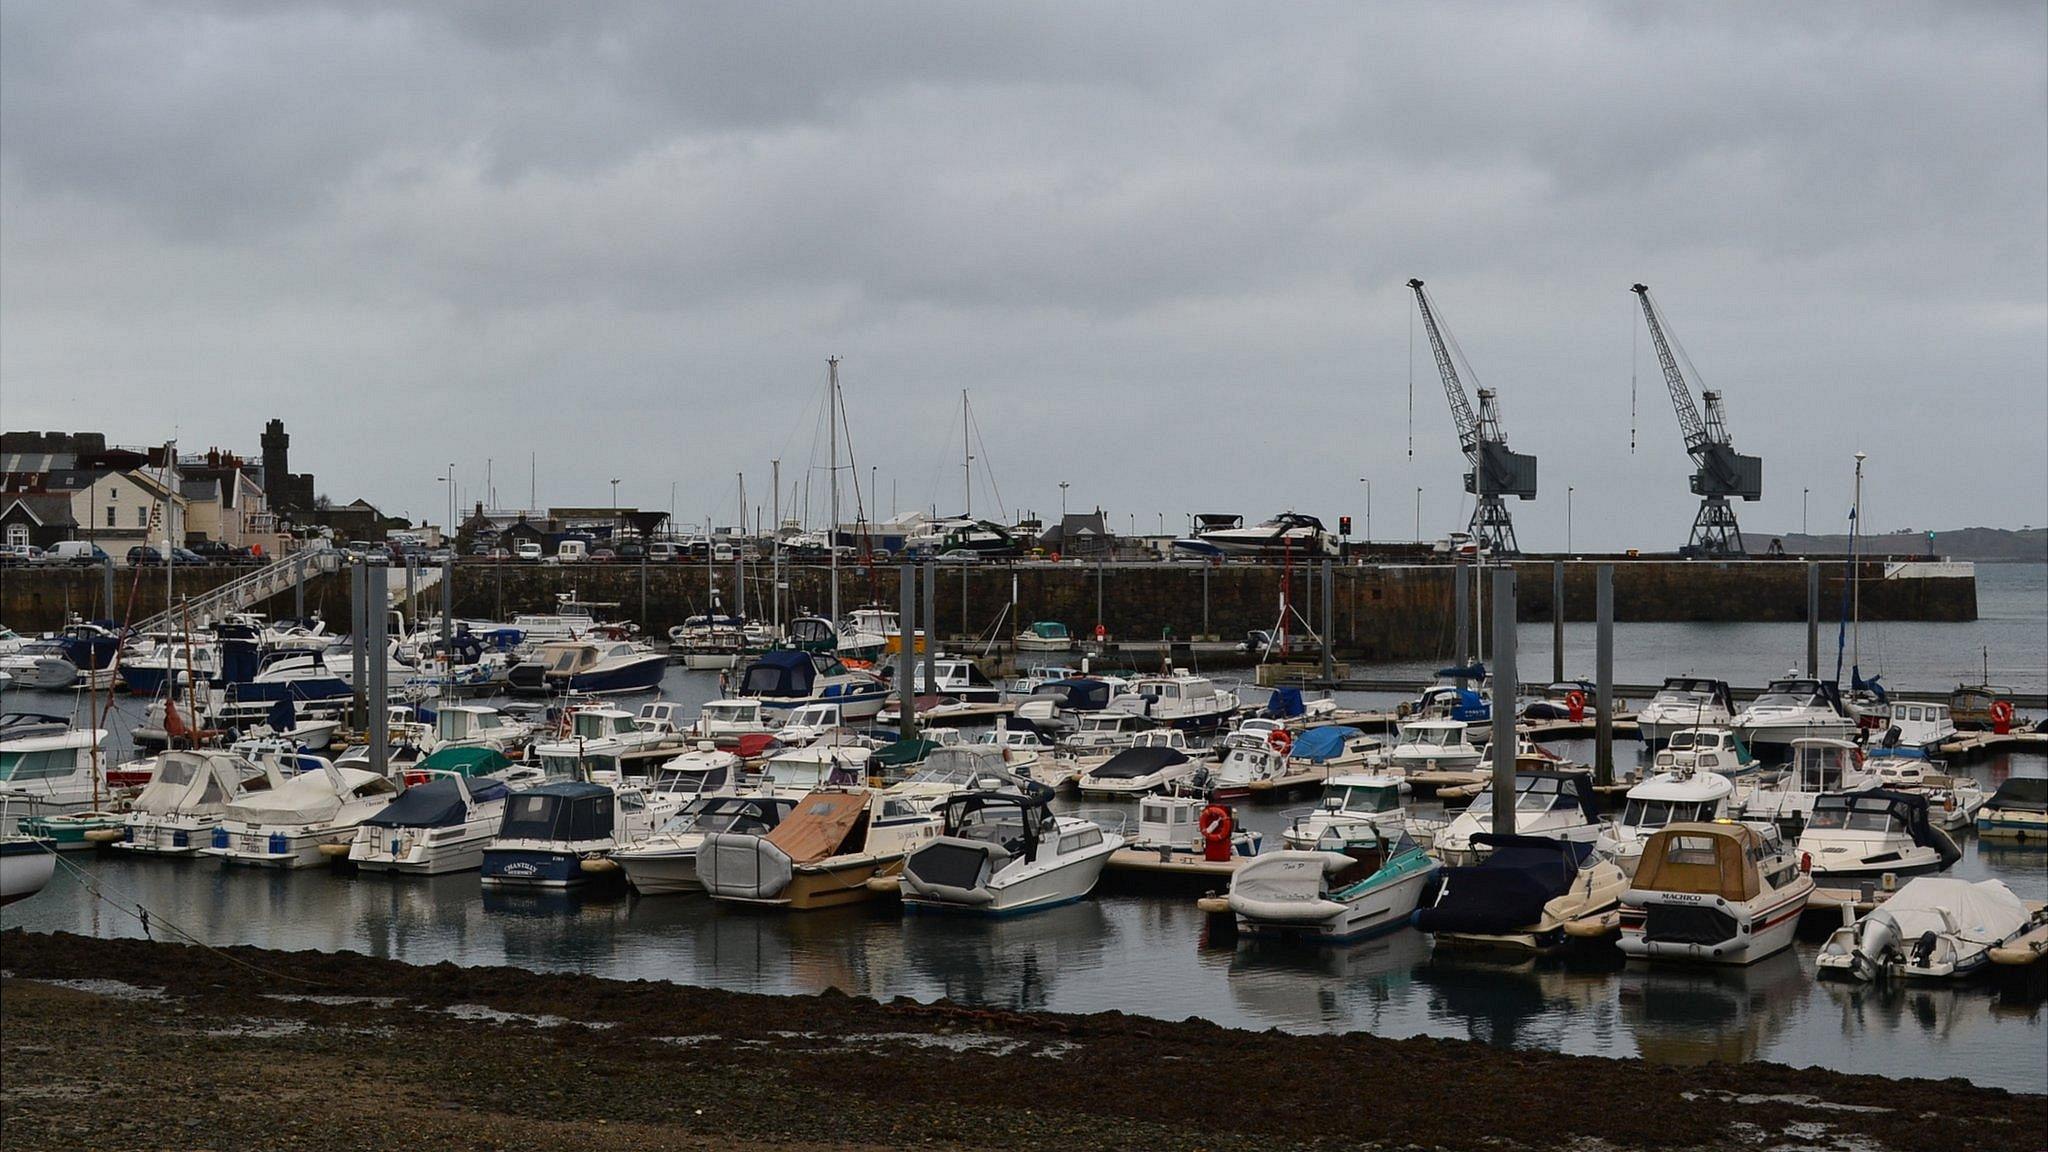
(1213, 904)
(334, 850)
(885, 885)
(105, 835)
(600, 864)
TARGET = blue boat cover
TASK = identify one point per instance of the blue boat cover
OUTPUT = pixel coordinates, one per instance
(282, 718)
(778, 674)
(1476, 671)
(1319, 744)
(435, 804)
(1506, 891)
(1078, 694)
(1284, 704)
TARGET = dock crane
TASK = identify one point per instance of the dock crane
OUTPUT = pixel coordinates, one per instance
(1496, 472)
(1722, 471)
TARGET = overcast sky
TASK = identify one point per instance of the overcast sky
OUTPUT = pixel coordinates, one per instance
(1165, 247)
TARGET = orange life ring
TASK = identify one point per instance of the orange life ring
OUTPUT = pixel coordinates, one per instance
(2001, 716)
(1806, 861)
(1101, 633)
(1575, 701)
(1280, 740)
(1216, 824)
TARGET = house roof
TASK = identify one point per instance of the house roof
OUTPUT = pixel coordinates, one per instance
(47, 509)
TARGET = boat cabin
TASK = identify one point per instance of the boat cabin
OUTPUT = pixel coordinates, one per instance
(1723, 859)
(1801, 693)
(601, 724)
(461, 724)
(1706, 749)
(1824, 765)
(661, 716)
(567, 812)
(1538, 792)
(1421, 736)
(1362, 795)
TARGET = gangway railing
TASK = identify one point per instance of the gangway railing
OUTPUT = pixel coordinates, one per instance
(239, 594)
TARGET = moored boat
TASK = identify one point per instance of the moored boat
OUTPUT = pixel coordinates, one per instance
(1358, 881)
(1720, 892)
(821, 855)
(1931, 928)
(1003, 853)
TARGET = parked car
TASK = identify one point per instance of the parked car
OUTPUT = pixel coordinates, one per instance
(527, 550)
(12, 555)
(603, 556)
(187, 556)
(631, 552)
(77, 552)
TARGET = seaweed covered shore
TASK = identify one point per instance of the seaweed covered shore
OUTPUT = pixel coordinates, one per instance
(126, 1043)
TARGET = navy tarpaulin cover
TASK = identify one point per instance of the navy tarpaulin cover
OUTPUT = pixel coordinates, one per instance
(778, 674)
(2022, 794)
(1507, 890)
(239, 660)
(1284, 704)
(1319, 744)
(435, 804)
(1474, 672)
(1079, 694)
(282, 718)
(1134, 762)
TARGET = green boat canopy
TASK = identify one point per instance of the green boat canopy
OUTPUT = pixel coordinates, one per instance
(466, 761)
(904, 752)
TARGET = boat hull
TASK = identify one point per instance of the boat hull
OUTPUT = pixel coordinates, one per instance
(1739, 934)
(26, 865)
(666, 874)
(1381, 909)
(1073, 880)
(641, 675)
(534, 868)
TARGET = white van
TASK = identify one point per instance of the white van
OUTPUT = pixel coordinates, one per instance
(664, 551)
(76, 552)
(571, 552)
(527, 550)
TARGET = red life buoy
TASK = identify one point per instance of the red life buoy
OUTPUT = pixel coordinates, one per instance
(1806, 861)
(1576, 702)
(1280, 740)
(1215, 825)
(2001, 716)
(1101, 633)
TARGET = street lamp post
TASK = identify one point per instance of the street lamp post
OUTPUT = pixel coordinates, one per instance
(1418, 515)
(1568, 519)
(1368, 508)
(615, 509)
(449, 480)
(1803, 494)
(1063, 500)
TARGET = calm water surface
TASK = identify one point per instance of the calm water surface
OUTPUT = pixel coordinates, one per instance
(1150, 954)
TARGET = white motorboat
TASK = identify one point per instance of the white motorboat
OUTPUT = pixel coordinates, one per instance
(1706, 750)
(1182, 700)
(872, 629)
(288, 825)
(948, 771)
(808, 723)
(1552, 805)
(711, 642)
(597, 667)
(1149, 767)
(958, 679)
(605, 744)
(1037, 676)
(666, 861)
(1819, 764)
(1432, 746)
(1684, 702)
(51, 775)
(1288, 535)
(1953, 801)
(1692, 797)
(1353, 807)
(833, 760)
(1337, 748)
(479, 726)
(1931, 928)
(1045, 636)
(26, 863)
(176, 812)
(1250, 767)
(706, 770)
(1795, 708)
(1721, 892)
(822, 855)
(1002, 853)
(1526, 893)
(1918, 725)
(1095, 733)
(432, 828)
(730, 719)
(1358, 881)
(785, 681)
(1170, 828)
(2016, 813)
(169, 663)
(1872, 833)
(561, 835)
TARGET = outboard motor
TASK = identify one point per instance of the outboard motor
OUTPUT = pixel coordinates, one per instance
(1923, 949)
(1875, 944)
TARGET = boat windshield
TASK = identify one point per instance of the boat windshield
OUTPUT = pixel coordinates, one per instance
(1366, 798)
(728, 713)
(1788, 694)
(1658, 813)
(1532, 794)
(789, 772)
(1853, 819)
(21, 767)
(1683, 741)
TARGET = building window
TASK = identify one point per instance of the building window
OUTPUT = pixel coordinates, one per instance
(17, 535)
(110, 515)
(142, 517)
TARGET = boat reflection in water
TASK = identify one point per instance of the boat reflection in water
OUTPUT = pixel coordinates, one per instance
(1010, 962)
(1563, 1001)
(1334, 988)
(1697, 1014)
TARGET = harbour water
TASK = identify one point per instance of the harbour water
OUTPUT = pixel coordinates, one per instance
(1150, 955)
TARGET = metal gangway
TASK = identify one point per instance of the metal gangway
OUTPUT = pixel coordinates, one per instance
(238, 595)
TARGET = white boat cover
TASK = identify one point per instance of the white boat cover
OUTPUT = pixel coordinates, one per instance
(1286, 886)
(308, 798)
(189, 781)
(1985, 912)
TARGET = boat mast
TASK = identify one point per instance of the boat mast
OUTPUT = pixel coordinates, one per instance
(739, 557)
(1856, 574)
(775, 545)
(966, 459)
(832, 526)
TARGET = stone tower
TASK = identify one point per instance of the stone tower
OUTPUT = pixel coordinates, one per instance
(277, 465)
